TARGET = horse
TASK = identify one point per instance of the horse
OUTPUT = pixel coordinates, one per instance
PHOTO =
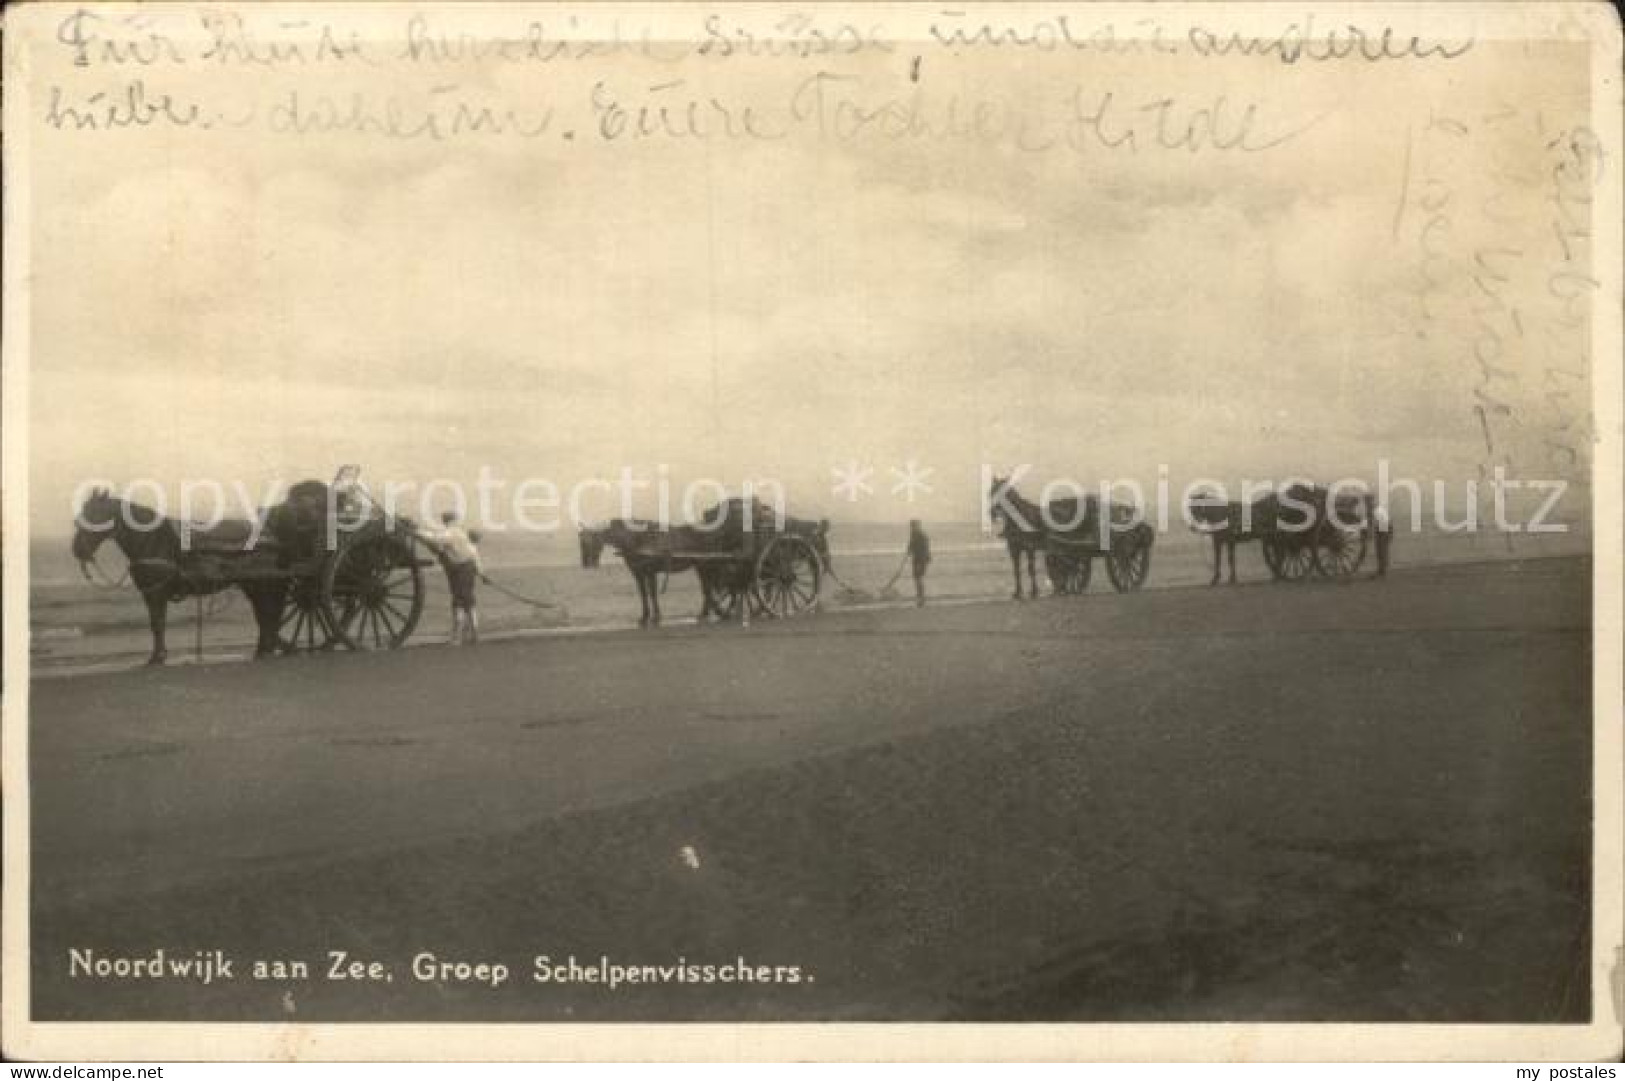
(1228, 524)
(1292, 514)
(1021, 537)
(165, 570)
(647, 552)
(1068, 532)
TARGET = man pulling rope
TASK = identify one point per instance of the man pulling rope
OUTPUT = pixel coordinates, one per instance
(917, 552)
(459, 551)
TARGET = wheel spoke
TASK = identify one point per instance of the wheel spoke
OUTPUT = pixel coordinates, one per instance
(382, 612)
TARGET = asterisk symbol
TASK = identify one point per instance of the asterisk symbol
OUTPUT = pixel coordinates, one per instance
(911, 480)
(852, 481)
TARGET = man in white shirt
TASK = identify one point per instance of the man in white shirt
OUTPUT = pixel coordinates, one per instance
(459, 550)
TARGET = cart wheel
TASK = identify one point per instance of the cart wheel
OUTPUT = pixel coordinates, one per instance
(1294, 559)
(1070, 574)
(372, 591)
(787, 578)
(304, 627)
(1128, 563)
(1339, 552)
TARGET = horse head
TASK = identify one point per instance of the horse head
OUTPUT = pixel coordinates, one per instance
(1208, 511)
(592, 546)
(1001, 497)
(95, 522)
(995, 502)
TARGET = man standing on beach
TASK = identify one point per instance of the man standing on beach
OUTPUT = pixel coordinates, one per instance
(919, 554)
(1382, 529)
(460, 552)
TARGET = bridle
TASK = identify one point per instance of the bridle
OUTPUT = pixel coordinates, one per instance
(97, 575)
(101, 579)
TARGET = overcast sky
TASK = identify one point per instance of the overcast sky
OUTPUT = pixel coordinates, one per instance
(250, 306)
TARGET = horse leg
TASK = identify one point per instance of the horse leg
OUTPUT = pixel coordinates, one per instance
(1032, 572)
(1015, 568)
(654, 594)
(1232, 547)
(1218, 559)
(642, 594)
(157, 612)
(705, 594)
(267, 604)
(637, 580)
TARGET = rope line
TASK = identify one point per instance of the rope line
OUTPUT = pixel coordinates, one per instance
(517, 596)
(844, 584)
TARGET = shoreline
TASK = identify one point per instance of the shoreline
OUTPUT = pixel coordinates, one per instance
(241, 652)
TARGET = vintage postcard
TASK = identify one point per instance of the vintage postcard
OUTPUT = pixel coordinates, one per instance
(1017, 531)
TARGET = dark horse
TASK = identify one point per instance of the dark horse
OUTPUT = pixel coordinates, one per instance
(1023, 532)
(1230, 524)
(1069, 532)
(168, 569)
(1293, 516)
(649, 553)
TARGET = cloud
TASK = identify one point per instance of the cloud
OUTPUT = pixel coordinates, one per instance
(266, 304)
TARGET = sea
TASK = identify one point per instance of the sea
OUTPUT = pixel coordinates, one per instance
(78, 627)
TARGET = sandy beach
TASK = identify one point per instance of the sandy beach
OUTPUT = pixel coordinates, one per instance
(1332, 802)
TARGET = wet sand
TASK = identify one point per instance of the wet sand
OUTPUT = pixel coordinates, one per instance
(1361, 802)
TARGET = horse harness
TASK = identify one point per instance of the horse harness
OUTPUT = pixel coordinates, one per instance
(178, 574)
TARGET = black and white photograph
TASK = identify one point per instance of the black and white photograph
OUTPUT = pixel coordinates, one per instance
(879, 531)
